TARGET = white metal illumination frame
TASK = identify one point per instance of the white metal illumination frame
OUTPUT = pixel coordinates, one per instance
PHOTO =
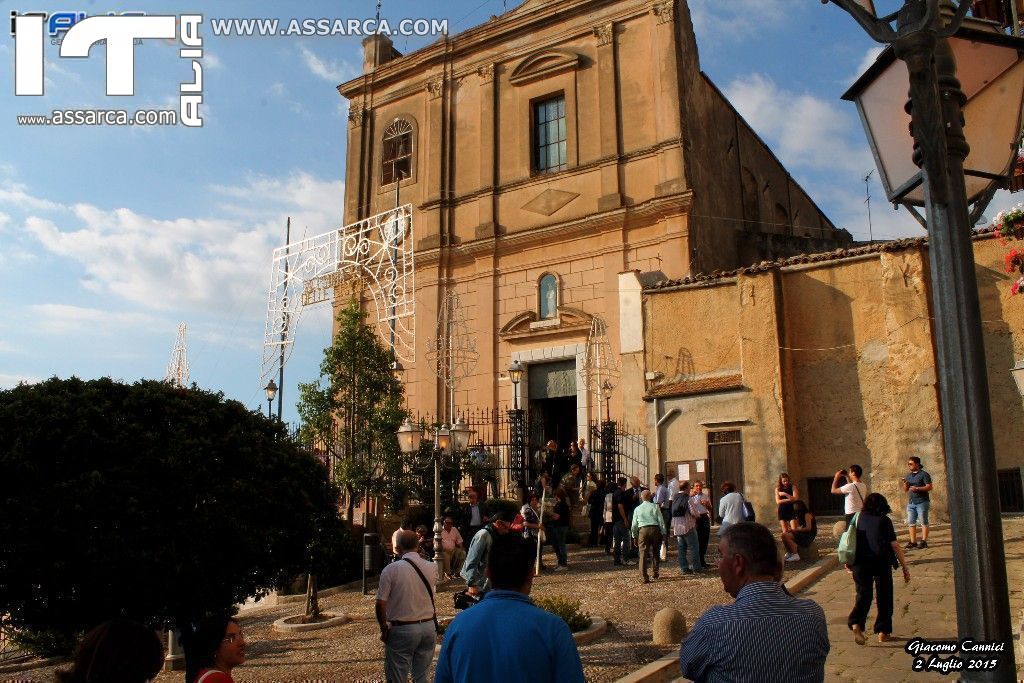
(377, 252)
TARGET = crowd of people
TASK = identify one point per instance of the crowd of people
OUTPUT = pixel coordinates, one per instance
(737, 641)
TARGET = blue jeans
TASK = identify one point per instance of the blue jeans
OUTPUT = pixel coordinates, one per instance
(558, 543)
(689, 549)
(915, 509)
(620, 541)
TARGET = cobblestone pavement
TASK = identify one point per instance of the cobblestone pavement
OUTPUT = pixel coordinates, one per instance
(926, 608)
(352, 652)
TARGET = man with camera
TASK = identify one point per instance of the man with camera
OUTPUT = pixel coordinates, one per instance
(854, 489)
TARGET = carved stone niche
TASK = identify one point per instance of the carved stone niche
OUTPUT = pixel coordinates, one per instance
(526, 324)
(543, 64)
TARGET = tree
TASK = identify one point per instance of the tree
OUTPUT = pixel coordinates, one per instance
(147, 501)
(353, 411)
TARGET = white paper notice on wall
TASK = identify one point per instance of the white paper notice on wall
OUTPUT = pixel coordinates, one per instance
(700, 465)
(684, 472)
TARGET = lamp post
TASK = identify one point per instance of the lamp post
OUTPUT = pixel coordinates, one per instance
(606, 392)
(607, 433)
(271, 390)
(517, 428)
(924, 42)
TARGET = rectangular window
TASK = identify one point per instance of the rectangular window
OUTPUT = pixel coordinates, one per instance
(549, 140)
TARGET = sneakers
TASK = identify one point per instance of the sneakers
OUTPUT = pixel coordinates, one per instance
(922, 544)
(792, 557)
(561, 568)
(630, 563)
(858, 634)
(910, 546)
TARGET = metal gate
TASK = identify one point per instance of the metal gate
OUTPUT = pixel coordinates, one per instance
(619, 451)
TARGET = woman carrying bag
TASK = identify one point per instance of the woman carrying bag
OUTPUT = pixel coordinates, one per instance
(877, 554)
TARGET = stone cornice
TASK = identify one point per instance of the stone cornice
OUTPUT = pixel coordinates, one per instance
(478, 38)
(661, 207)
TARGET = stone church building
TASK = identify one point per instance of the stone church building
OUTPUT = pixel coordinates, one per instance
(545, 152)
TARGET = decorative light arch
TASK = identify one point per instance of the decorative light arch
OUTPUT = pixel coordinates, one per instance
(375, 253)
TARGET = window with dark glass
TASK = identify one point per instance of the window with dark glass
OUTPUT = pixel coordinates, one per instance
(397, 153)
(549, 148)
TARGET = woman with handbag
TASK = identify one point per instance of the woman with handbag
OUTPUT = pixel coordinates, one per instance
(877, 554)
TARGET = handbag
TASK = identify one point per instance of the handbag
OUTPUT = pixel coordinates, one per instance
(847, 549)
(426, 584)
(748, 511)
(663, 553)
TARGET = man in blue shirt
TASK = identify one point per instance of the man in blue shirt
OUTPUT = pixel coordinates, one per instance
(917, 483)
(767, 634)
(474, 569)
(505, 637)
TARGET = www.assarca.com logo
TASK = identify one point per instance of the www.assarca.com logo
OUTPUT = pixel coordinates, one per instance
(120, 34)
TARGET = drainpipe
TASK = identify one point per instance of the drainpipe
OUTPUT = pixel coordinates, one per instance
(657, 430)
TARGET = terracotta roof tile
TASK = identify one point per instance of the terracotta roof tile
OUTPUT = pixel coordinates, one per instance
(703, 385)
(800, 259)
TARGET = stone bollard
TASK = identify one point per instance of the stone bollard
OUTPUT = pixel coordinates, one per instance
(669, 627)
(838, 528)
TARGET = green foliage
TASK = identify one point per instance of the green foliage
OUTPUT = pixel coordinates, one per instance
(570, 610)
(354, 410)
(147, 501)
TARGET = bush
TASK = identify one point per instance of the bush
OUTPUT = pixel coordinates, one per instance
(570, 610)
(149, 502)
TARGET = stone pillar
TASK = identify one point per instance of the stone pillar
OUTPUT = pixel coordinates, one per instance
(762, 374)
(486, 225)
(667, 116)
(608, 117)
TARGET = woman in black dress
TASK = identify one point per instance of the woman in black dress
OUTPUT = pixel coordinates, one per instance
(785, 495)
(878, 553)
(596, 511)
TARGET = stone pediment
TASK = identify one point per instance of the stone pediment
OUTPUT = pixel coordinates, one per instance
(543, 64)
(526, 324)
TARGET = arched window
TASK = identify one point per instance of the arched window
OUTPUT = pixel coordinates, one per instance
(396, 160)
(547, 297)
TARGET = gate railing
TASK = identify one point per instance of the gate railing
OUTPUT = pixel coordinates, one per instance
(619, 451)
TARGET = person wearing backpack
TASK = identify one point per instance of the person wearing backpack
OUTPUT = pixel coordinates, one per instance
(684, 527)
(876, 554)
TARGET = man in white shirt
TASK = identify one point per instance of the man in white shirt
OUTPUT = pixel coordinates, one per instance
(854, 489)
(405, 612)
(585, 459)
(453, 552)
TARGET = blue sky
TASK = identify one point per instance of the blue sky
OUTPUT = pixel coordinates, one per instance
(111, 236)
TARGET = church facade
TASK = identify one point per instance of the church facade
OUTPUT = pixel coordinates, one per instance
(545, 152)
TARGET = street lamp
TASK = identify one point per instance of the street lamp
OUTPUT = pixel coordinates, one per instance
(606, 392)
(927, 44)
(271, 390)
(515, 373)
(409, 436)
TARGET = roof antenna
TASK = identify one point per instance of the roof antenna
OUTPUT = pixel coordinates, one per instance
(867, 200)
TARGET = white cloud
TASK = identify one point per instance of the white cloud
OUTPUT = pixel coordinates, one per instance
(4, 221)
(214, 264)
(212, 61)
(16, 194)
(9, 380)
(329, 70)
(277, 89)
(869, 58)
(65, 319)
(735, 19)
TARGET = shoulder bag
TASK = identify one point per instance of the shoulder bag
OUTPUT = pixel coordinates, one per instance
(847, 549)
(426, 584)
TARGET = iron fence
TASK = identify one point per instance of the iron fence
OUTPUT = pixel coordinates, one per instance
(618, 450)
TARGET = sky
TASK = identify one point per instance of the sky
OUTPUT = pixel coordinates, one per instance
(110, 236)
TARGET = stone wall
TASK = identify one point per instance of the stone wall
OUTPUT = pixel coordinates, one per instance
(837, 366)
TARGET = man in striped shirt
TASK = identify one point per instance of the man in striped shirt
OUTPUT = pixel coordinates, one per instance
(767, 634)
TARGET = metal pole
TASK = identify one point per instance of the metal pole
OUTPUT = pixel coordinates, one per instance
(437, 509)
(284, 332)
(979, 564)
